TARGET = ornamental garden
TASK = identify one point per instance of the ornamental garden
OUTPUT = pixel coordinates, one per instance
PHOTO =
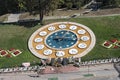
(113, 43)
(14, 38)
(10, 53)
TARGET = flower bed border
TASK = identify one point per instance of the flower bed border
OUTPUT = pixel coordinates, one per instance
(12, 52)
(110, 45)
(118, 43)
(113, 43)
(4, 54)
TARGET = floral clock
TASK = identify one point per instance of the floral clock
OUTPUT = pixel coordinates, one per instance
(61, 39)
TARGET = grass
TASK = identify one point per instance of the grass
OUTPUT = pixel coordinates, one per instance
(15, 36)
(88, 75)
(52, 78)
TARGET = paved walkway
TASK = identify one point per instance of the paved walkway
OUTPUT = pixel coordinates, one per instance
(15, 17)
(12, 18)
(100, 72)
(77, 16)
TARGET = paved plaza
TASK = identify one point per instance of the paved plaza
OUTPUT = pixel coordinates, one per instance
(99, 72)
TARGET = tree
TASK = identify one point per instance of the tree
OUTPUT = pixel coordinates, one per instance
(108, 3)
(2, 7)
(54, 5)
(41, 7)
(117, 3)
(8, 6)
(69, 4)
(86, 1)
(77, 3)
(61, 4)
(21, 5)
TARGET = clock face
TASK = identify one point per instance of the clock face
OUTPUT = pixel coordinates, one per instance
(62, 39)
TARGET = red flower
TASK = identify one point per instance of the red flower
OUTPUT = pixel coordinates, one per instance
(113, 40)
(16, 52)
(116, 47)
(107, 43)
(8, 55)
(3, 53)
(11, 49)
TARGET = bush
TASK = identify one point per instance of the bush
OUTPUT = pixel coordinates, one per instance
(69, 5)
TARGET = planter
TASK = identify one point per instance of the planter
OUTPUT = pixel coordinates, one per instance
(107, 44)
(3, 53)
(8, 55)
(114, 41)
(16, 52)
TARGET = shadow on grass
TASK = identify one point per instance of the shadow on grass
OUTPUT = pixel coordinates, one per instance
(26, 23)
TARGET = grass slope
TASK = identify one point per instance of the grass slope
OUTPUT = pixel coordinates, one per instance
(15, 36)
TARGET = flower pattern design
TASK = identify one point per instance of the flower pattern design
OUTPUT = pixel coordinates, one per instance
(10, 53)
(113, 43)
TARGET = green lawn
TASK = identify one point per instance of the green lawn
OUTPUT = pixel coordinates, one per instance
(15, 36)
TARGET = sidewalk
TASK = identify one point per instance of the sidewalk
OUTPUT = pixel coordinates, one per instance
(100, 72)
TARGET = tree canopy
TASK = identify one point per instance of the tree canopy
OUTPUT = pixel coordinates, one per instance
(43, 7)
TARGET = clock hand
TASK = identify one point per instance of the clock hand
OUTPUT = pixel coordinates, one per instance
(65, 34)
(67, 38)
(58, 38)
(62, 37)
(70, 38)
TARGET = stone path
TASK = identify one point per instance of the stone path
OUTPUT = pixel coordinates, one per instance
(13, 18)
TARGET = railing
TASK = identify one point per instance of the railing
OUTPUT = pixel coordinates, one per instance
(36, 68)
(103, 61)
(21, 69)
